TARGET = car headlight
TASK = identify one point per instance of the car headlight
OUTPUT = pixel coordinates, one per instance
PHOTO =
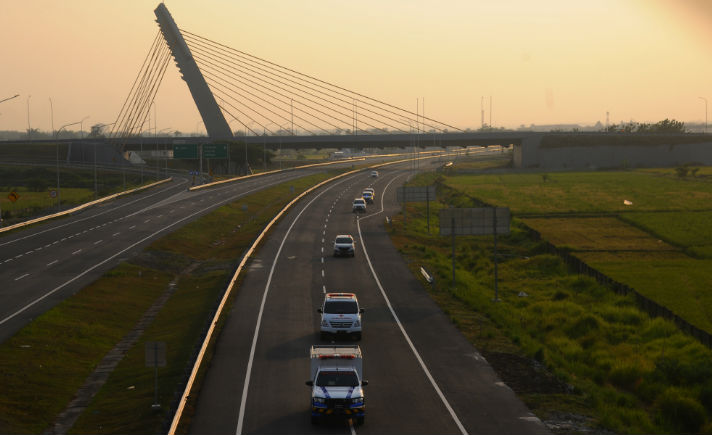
(357, 323)
(318, 400)
(324, 322)
(357, 400)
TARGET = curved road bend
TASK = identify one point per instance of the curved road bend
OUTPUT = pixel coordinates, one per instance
(452, 391)
(44, 264)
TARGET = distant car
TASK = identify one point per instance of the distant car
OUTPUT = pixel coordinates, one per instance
(368, 196)
(372, 192)
(359, 205)
(374, 173)
(344, 245)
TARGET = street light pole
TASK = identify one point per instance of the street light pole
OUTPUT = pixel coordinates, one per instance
(51, 114)
(705, 100)
(29, 128)
(165, 151)
(56, 136)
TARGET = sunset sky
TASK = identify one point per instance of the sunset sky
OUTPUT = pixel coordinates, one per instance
(543, 62)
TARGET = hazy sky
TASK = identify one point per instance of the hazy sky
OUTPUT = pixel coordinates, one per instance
(543, 62)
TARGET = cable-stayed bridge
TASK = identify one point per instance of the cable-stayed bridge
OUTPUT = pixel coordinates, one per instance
(273, 104)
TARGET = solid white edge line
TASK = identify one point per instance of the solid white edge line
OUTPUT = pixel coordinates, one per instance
(59, 287)
(81, 207)
(405, 334)
(248, 375)
(189, 385)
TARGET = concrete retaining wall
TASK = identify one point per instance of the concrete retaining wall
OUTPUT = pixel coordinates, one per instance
(531, 154)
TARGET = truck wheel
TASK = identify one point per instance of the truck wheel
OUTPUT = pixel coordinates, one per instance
(360, 420)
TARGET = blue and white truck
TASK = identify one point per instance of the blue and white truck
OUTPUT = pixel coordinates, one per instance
(336, 381)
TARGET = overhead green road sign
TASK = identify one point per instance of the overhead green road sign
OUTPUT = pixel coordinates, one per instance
(215, 151)
(185, 151)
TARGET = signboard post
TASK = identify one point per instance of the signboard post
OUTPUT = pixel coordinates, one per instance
(406, 194)
(478, 222)
(155, 357)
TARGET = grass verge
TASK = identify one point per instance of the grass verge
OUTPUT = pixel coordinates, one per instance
(565, 344)
(65, 344)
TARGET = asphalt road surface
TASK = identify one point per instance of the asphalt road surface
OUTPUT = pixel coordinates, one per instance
(46, 263)
(424, 377)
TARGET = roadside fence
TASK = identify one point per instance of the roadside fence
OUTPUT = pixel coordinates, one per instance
(646, 304)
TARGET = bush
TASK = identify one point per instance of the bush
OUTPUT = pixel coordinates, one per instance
(583, 326)
(680, 413)
(706, 396)
(626, 375)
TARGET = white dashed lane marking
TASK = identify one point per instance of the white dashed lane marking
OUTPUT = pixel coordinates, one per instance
(76, 252)
(98, 241)
(21, 276)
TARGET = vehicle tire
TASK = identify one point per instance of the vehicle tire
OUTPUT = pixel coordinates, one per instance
(314, 419)
(323, 336)
(357, 336)
(360, 420)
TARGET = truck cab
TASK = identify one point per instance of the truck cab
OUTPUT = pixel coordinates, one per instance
(336, 381)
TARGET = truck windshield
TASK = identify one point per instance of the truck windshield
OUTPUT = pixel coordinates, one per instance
(337, 379)
(340, 307)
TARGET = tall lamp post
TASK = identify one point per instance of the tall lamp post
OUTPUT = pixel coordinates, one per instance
(165, 152)
(264, 142)
(1, 101)
(56, 137)
(99, 127)
(29, 128)
(51, 115)
(705, 100)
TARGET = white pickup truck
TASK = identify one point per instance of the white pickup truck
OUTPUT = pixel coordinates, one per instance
(336, 380)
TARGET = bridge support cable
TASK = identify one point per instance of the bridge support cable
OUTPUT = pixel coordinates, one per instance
(135, 110)
(123, 113)
(298, 84)
(228, 88)
(276, 90)
(276, 99)
(276, 79)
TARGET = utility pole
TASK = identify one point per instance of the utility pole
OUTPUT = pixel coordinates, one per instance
(705, 100)
(490, 119)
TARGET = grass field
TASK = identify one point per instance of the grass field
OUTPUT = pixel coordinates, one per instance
(45, 363)
(33, 185)
(610, 361)
(588, 192)
(585, 213)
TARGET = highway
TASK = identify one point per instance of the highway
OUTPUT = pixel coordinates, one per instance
(424, 377)
(44, 264)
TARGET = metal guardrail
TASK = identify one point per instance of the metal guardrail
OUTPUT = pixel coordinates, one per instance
(81, 207)
(646, 304)
(218, 312)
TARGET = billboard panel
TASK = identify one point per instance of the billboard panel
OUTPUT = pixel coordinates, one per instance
(474, 221)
